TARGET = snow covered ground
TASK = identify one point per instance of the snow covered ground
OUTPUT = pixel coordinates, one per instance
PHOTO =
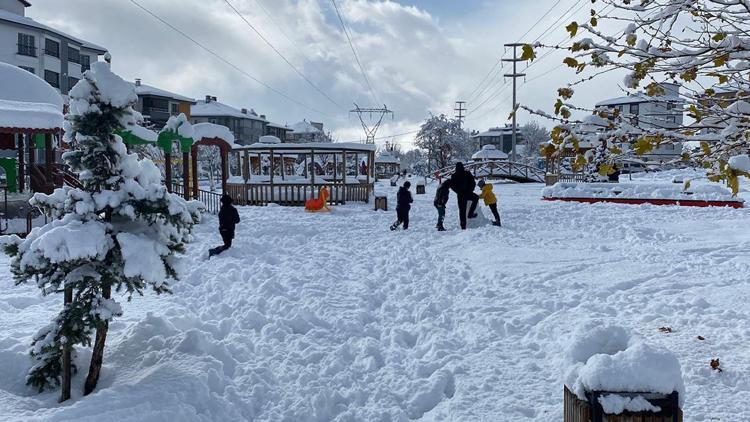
(330, 316)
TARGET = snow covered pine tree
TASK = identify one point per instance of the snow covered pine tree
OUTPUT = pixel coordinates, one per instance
(120, 231)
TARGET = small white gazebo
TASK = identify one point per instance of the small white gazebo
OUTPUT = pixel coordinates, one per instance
(488, 153)
(387, 165)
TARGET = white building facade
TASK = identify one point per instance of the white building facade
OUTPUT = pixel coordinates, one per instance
(58, 58)
(658, 112)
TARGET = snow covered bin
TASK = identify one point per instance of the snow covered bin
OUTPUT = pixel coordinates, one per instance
(420, 188)
(615, 377)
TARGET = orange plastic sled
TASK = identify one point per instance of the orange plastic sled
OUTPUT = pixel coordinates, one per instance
(319, 203)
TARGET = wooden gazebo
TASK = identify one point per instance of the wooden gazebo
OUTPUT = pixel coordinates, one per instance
(31, 120)
(260, 185)
(387, 165)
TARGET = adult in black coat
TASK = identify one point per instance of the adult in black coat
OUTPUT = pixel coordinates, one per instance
(463, 183)
(228, 219)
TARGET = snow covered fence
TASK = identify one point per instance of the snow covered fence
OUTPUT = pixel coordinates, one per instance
(642, 193)
(616, 375)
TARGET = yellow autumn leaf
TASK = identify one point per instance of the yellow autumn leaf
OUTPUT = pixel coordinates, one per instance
(721, 60)
(631, 39)
(579, 162)
(706, 148)
(571, 62)
(527, 52)
(643, 146)
(572, 28)
(719, 37)
(606, 169)
(687, 185)
(593, 21)
(689, 75)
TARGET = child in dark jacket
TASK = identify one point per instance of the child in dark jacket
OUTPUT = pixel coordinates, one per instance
(403, 205)
(228, 219)
(441, 199)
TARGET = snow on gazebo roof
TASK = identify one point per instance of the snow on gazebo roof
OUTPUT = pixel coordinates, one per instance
(489, 152)
(211, 130)
(386, 157)
(27, 101)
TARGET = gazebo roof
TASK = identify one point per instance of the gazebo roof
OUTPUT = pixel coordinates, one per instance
(489, 152)
(308, 147)
(27, 102)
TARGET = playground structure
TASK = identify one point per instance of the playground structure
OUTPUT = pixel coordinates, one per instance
(498, 169)
(387, 165)
(346, 170)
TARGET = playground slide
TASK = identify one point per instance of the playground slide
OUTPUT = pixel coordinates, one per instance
(319, 203)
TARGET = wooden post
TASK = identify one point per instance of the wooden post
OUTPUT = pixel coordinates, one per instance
(282, 166)
(49, 159)
(168, 171)
(246, 166)
(224, 170)
(271, 171)
(335, 164)
(343, 178)
(66, 357)
(186, 175)
(194, 162)
(305, 169)
(369, 169)
(312, 173)
(21, 161)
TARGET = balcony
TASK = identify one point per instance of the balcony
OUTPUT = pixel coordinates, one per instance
(26, 50)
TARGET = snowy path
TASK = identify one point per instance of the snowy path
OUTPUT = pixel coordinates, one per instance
(315, 317)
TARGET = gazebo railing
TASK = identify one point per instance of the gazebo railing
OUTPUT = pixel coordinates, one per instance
(211, 200)
(296, 193)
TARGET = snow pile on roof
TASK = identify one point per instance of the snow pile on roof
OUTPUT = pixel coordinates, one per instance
(489, 152)
(607, 358)
(269, 139)
(23, 20)
(27, 101)
(143, 89)
(740, 163)
(386, 157)
(217, 109)
(210, 130)
(707, 192)
(304, 127)
(180, 125)
(141, 132)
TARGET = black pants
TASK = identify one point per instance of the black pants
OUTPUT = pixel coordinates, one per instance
(403, 217)
(227, 237)
(493, 208)
(462, 203)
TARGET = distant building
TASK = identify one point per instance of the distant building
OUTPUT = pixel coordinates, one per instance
(278, 130)
(305, 131)
(58, 58)
(246, 126)
(500, 137)
(157, 105)
(658, 112)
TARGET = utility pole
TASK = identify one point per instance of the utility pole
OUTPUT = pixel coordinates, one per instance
(460, 112)
(515, 75)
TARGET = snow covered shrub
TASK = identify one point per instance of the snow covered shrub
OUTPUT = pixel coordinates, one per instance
(120, 232)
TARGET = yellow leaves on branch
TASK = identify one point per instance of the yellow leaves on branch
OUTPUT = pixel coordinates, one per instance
(579, 163)
(689, 75)
(606, 169)
(571, 62)
(631, 39)
(643, 145)
(548, 150)
(527, 52)
(721, 60)
(719, 37)
(565, 93)
(654, 90)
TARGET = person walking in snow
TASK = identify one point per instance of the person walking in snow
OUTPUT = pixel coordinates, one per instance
(490, 200)
(228, 219)
(403, 205)
(441, 200)
(462, 182)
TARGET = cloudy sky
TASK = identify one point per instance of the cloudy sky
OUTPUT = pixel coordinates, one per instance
(420, 55)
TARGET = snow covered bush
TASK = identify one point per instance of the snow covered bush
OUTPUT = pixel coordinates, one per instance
(699, 46)
(120, 232)
(444, 140)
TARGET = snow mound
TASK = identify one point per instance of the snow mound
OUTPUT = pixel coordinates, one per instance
(608, 358)
(639, 191)
(615, 404)
(27, 101)
(210, 130)
(740, 163)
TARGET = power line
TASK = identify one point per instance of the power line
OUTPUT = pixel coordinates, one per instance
(539, 20)
(227, 62)
(354, 51)
(296, 70)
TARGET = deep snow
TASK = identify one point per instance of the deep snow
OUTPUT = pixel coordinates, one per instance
(313, 317)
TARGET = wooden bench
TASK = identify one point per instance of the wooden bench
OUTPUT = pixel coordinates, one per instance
(577, 410)
(381, 203)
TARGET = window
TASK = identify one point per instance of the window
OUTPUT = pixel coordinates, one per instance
(85, 63)
(72, 82)
(671, 119)
(670, 106)
(26, 45)
(74, 55)
(634, 109)
(28, 69)
(174, 109)
(51, 47)
(53, 78)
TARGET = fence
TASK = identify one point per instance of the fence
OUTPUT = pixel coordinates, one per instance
(296, 194)
(211, 200)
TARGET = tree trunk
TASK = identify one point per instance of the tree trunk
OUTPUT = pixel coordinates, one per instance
(97, 356)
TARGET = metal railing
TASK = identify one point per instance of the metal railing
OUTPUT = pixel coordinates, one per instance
(211, 200)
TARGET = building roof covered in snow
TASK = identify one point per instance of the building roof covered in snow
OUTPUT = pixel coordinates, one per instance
(143, 89)
(386, 157)
(27, 101)
(213, 108)
(279, 125)
(489, 152)
(304, 127)
(497, 131)
(306, 147)
(31, 23)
